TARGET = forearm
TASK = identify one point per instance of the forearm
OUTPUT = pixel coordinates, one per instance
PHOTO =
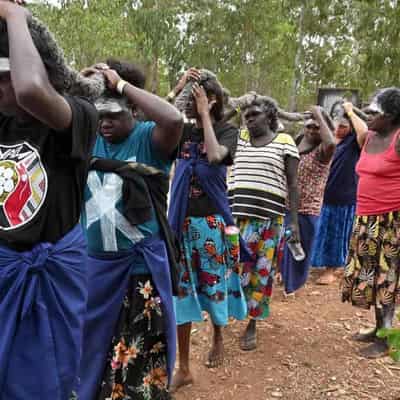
(293, 198)
(360, 128)
(155, 108)
(291, 167)
(326, 134)
(215, 152)
(328, 143)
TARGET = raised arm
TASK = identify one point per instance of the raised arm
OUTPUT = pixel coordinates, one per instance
(328, 144)
(169, 122)
(215, 151)
(191, 73)
(360, 126)
(33, 90)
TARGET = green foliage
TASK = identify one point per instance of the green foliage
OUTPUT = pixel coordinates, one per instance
(287, 49)
(393, 338)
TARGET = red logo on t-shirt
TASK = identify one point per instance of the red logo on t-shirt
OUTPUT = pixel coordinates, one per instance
(23, 185)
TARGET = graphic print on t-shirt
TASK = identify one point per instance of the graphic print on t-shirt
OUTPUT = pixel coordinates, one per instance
(23, 185)
(102, 208)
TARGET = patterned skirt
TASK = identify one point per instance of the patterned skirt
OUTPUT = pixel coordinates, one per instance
(209, 274)
(137, 363)
(331, 245)
(373, 265)
(262, 239)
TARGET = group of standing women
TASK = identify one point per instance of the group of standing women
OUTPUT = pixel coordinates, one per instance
(329, 151)
(93, 306)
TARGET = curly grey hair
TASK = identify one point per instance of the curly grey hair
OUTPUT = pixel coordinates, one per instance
(64, 79)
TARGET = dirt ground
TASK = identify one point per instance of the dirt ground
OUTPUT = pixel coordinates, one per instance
(305, 352)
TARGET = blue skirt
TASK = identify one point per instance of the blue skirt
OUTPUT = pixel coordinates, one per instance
(295, 273)
(43, 294)
(209, 276)
(333, 236)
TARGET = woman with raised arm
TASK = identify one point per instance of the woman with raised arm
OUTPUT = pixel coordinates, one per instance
(316, 148)
(372, 271)
(199, 212)
(46, 135)
(130, 333)
(337, 215)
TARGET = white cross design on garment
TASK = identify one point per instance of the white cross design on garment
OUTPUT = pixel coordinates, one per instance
(102, 207)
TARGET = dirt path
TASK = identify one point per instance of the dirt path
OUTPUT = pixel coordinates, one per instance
(305, 352)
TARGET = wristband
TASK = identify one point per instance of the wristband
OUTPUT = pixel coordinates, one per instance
(120, 86)
(350, 114)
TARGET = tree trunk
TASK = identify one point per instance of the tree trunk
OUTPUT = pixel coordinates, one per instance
(155, 79)
(298, 74)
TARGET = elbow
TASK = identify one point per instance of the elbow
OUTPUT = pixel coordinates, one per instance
(175, 121)
(175, 126)
(331, 147)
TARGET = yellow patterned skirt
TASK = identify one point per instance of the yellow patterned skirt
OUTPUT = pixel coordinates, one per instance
(373, 265)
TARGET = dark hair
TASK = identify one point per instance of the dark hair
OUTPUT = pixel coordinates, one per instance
(389, 100)
(270, 107)
(334, 105)
(341, 115)
(213, 87)
(127, 71)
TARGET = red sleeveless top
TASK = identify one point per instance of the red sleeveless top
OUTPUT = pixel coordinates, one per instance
(379, 180)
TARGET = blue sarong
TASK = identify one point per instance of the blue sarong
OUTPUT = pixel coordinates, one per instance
(212, 179)
(108, 281)
(295, 273)
(43, 295)
(333, 236)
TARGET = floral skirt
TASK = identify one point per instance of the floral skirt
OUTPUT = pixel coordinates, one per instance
(209, 275)
(262, 239)
(373, 265)
(137, 364)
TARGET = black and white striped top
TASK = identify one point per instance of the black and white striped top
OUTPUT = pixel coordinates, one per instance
(257, 183)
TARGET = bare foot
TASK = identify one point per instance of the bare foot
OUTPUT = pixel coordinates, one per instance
(216, 354)
(180, 379)
(327, 278)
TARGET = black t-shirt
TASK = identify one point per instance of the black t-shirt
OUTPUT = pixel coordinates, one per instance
(42, 176)
(200, 205)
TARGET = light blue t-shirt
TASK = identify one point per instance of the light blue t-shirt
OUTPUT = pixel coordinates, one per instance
(106, 228)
